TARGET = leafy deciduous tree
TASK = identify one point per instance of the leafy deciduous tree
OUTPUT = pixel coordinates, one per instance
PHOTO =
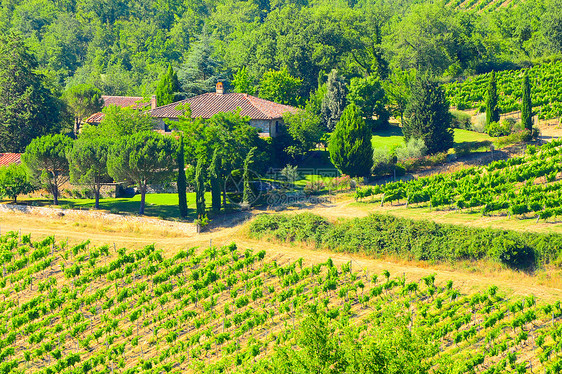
(369, 96)
(242, 82)
(14, 181)
(118, 121)
(398, 88)
(305, 130)
(280, 87)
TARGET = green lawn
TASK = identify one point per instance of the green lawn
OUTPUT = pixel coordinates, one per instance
(393, 137)
(388, 138)
(164, 205)
(466, 136)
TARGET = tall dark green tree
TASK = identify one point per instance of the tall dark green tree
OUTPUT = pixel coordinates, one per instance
(215, 179)
(247, 194)
(167, 87)
(350, 144)
(427, 116)
(202, 69)
(333, 102)
(527, 105)
(492, 110)
(45, 158)
(181, 180)
(200, 187)
(27, 108)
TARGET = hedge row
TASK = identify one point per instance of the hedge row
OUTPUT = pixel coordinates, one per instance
(382, 235)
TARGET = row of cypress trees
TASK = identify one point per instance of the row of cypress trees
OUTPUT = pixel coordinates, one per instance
(492, 99)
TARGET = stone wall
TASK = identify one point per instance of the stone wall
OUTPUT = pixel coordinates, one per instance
(186, 228)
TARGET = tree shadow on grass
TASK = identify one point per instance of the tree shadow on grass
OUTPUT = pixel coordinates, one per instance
(389, 131)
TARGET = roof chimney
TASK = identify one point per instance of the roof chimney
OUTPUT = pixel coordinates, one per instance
(220, 88)
(153, 102)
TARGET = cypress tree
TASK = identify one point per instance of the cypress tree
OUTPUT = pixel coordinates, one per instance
(247, 195)
(200, 188)
(492, 110)
(214, 173)
(527, 105)
(182, 196)
(427, 116)
(350, 144)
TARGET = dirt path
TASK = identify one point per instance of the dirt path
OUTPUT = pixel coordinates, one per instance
(469, 277)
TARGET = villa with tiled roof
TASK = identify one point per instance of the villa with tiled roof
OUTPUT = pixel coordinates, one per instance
(264, 115)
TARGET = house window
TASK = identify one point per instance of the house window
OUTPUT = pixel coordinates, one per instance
(276, 127)
(166, 127)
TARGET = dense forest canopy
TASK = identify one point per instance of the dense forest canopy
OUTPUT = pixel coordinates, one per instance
(123, 47)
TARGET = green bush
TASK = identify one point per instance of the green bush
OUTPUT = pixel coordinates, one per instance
(496, 129)
(512, 251)
(461, 120)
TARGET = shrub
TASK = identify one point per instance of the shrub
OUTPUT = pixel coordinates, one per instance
(479, 124)
(314, 187)
(464, 149)
(382, 161)
(496, 129)
(437, 159)
(415, 148)
(461, 120)
(511, 251)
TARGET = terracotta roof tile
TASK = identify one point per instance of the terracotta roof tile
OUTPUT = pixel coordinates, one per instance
(125, 101)
(121, 101)
(10, 158)
(209, 104)
(95, 118)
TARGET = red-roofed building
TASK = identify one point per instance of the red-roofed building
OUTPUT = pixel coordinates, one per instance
(265, 115)
(135, 102)
(10, 158)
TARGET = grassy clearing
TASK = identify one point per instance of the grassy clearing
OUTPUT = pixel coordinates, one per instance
(393, 137)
